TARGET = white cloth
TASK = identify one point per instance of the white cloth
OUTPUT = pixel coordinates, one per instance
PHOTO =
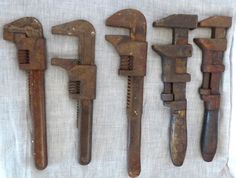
(109, 149)
(232, 153)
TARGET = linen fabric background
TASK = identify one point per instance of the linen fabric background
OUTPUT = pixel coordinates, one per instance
(109, 144)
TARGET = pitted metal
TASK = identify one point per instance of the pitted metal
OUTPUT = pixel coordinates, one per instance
(212, 68)
(133, 55)
(82, 79)
(27, 34)
(174, 75)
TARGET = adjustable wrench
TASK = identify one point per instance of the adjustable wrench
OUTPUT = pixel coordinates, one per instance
(82, 79)
(174, 76)
(212, 58)
(27, 34)
(133, 55)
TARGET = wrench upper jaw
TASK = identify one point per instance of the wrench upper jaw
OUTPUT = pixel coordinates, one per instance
(216, 22)
(131, 19)
(177, 21)
(74, 28)
(29, 26)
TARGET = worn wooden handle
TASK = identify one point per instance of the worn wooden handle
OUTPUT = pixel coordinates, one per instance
(209, 135)
(37, 106)
(134, 144)
(86, 118)
(178, 137)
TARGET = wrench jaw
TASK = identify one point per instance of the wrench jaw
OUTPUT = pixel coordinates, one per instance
(74, 28)
(131, 19)
(115, 40)
(29, 26)
(132, 55)
(66, 64)
(27, 34)
(186, 21)
(126, 18)
(85, 32)
(216, 22)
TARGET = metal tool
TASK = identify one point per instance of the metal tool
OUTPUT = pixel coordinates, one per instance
(174, 68)
(133, 55)
(27, 34)
(82, 79)
(212, 66)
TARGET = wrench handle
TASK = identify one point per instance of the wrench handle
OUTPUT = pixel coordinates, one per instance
(134, 144)
(209, 135)
(134, 115)
(178, 137)
(86, 131)
(37, 106)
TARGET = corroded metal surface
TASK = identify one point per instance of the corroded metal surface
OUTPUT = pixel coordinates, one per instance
(133, 55)
(82, 79)
(174, 76)
(212, 67)
(27, 34)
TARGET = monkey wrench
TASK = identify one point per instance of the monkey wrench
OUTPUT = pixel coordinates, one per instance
(174, 75)
(133, 55)
(27, 34)
(212, 67)
(82, 79)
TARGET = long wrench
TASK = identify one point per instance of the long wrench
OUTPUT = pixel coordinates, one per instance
(212, 66)
(27, 34)
(82, 79)
(133, 55)
(174, 75)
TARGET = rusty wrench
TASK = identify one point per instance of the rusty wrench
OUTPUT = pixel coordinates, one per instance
(212, 58)
(174, 76)
(82, 79)
(133, 55)
(27, 34)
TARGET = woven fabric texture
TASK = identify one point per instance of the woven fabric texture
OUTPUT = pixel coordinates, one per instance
(109, 151)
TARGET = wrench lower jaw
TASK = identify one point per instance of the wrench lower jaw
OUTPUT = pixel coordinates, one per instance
(209, 135)
(178, 137)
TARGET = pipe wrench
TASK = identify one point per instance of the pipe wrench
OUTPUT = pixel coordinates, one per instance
(27, 34)
(82, 79)
(133, 57)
